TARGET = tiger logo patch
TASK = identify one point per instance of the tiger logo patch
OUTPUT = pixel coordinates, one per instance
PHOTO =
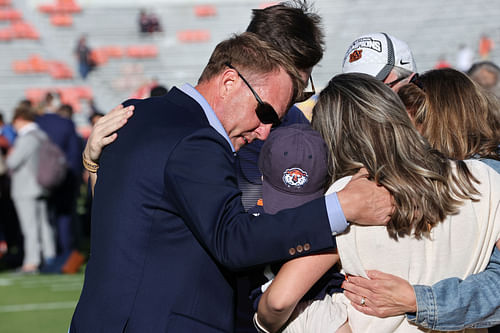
(295, 177)
(355, 55)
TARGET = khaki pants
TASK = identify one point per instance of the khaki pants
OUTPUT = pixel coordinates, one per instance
(38, 233)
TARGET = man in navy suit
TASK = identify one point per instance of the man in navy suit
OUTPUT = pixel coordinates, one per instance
(168, 226)
(62, 200)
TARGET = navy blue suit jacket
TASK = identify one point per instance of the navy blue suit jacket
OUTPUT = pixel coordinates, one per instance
(169, 229)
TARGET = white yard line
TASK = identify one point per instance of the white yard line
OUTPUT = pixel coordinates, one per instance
(5, 282)
(37, 307)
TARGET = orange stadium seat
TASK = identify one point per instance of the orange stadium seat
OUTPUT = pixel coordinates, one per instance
(150, 51)
(98, 56)
(193, 36)
(5, 3)
(61, 20)
(205, 10)
(10, 15)
(24, 30)
(68, 6)
(21, 67)
(60, 7)
(37, 64)
(5, 35)
(47, 8)
(59, 70)
(144, 51)
(35, 95)
(113, 51)
(83, 92)
(68, 95)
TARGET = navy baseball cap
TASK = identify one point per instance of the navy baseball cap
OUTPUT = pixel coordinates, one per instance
(294, 166)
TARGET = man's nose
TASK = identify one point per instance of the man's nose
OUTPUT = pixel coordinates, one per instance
(263, 131)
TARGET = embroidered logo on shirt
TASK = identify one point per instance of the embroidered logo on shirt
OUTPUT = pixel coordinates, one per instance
(295, 177)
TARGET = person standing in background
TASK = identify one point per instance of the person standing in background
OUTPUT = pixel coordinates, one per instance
(28, 195)
(62, 199)
(82, 52)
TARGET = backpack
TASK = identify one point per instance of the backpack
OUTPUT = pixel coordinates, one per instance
(52, 165)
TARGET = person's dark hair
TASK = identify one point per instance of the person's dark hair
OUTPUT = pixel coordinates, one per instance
(486, 63)
(253, 57)
(65, 110)
(95, 116)
(25, 102)
(25, 113)
(293, 29)
(48, 97)
(158, 90)
(487, 74)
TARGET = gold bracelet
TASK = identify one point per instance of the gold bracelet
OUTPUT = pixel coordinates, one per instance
(89, 165)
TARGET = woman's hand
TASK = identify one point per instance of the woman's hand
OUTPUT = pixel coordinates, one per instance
(104, 131)
(383, 295)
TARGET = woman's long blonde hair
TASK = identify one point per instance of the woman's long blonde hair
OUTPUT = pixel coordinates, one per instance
(365, 124)
(454, 114)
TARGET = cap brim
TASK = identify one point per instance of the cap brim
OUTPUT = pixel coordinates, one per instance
(370, 69)
(275, 200)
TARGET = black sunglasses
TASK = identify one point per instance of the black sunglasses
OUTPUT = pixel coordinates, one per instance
(265, 112)
(306, 94)
(393, 83)
(416, 81)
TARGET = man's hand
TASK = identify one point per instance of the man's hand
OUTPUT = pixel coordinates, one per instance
(104, 131)
(364, 202)
(385, 295)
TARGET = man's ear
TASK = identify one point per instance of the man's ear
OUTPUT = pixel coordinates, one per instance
(228, 82)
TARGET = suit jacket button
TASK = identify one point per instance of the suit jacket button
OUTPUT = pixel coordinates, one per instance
(291, 251)
(300, 248)
(307, 247)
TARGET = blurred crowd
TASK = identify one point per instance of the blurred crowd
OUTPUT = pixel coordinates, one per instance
(45, 225)
(42, 221)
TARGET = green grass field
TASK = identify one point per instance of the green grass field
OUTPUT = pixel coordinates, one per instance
(38, 303)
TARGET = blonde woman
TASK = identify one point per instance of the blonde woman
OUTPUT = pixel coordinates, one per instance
(455, 115)
(446, 222)
(462, 120)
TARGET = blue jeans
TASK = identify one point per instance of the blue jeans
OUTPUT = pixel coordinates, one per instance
(455, 304)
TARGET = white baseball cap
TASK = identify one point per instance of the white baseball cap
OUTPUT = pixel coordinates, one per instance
(376, 54)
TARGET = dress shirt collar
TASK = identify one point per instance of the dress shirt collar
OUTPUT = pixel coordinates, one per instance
(209, 112)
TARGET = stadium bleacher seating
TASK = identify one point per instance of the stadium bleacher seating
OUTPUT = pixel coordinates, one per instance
(205, 10)
(190, 32)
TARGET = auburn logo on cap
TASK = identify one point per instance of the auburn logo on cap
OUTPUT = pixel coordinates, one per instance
(355, 55)
(295, 177)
